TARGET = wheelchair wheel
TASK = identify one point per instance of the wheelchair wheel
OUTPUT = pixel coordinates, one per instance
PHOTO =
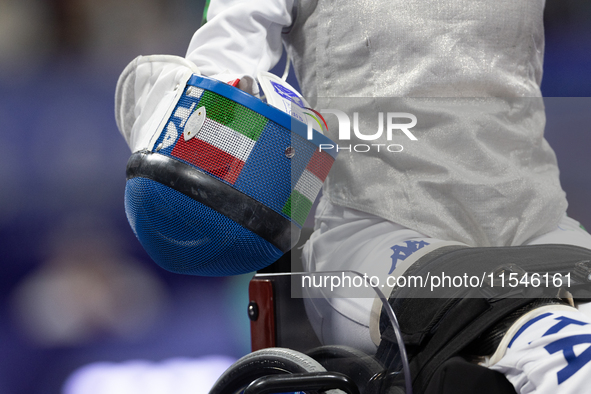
(265, 362)
(352, 362)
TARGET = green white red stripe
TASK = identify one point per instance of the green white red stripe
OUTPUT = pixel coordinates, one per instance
(307, 187)
(225, 140)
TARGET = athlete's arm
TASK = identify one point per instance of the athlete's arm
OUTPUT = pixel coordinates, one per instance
(240, 38)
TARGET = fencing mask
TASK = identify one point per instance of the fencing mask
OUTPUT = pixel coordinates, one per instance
(219, 182)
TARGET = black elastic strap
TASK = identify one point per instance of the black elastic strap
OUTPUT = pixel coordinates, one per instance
(436, 329)
(201, 187)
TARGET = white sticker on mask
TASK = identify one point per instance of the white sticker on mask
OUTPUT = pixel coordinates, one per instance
(194, 123)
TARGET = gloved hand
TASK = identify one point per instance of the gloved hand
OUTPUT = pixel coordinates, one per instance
(149, 87)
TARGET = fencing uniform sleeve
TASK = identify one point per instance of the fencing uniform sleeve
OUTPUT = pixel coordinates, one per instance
(240, 38)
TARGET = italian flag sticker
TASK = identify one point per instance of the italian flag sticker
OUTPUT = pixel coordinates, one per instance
(223, 141)
(300, 201)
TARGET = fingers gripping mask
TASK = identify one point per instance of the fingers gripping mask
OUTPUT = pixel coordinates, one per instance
(219, 182)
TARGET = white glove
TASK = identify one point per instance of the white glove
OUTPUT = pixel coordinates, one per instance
(145, 95)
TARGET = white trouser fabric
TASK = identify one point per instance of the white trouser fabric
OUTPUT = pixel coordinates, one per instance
(346, 239)
(548, 351)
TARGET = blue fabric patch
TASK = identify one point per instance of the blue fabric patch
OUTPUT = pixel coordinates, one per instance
(526, 325)
(575, 363)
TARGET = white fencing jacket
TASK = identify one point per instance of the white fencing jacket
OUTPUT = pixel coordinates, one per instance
(480, 171)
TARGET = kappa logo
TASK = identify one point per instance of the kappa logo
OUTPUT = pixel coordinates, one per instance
(402, 252)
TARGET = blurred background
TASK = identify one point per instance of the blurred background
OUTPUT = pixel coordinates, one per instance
(75, 285)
